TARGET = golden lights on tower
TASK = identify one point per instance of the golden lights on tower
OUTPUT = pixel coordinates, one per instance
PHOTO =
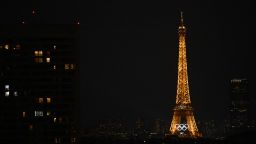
(183, 122)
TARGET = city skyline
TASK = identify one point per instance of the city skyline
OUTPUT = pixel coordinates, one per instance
(129, 53)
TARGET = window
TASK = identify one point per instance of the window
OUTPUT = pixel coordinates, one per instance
(73, 140)
(39, 60)
(54, 47)
(39, 113)
(48, 100)
(6, 46)
(54, 67)
(15, 93)
(48, 113)
(54, 120)
(7, 87)
(7, 93)
(56, 140)
(72, 66)
(23, 114)
(38, 53)
(17, 46)
(66, 66)
(48, 60)
(30, 127)
(40, 100)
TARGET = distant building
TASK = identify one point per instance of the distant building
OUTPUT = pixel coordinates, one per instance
(208, 128)
(39, 85)
(239, 107)
(160, 127)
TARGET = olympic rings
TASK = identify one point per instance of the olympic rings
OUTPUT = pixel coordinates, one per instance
(181, 127)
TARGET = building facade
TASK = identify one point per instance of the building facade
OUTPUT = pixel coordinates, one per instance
(39, 83)
(239, 107)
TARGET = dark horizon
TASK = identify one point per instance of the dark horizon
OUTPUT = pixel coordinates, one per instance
(129, 54)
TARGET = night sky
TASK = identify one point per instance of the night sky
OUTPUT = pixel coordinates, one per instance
(129, 53)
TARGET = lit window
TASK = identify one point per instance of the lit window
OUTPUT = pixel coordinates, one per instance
(73, 140)
(23, 114)
(39, 113)
(38, 53)
(54, 120)
(7, 87)
(48, 113)
(54, 67)
(40, 100)
(66, 66)
(38, 60)
(48, 100)
(54, 47)
(15, 93)
(48, 60)
(6, 46)
(72, 66)
(56, 140)
(30, 127)
(7, 93)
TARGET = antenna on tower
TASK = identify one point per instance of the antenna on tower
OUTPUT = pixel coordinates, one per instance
(181, 18)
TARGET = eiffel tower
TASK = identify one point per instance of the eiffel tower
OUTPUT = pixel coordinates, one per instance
(183, 122)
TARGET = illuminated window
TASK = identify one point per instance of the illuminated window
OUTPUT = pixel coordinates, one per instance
(38, 53)
(48, 113)
(73, 140)
(7, 87)
(48, 60)
(54, 47)
(23, 114)
(6, 46)
(39, 113)
(40, 100)
(66, 66)
(15, 93)
(48, 100)
(54, 120)
(54, 67)
(7, 93)
(56, 140)
(30, 127)
(72, 66)
(39, 60)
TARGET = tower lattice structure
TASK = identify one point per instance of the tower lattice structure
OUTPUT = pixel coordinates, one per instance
(183, 122)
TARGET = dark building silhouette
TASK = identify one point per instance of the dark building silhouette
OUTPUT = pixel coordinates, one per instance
(39, 86)
(239, 107)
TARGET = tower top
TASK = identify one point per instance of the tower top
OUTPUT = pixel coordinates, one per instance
(181, 19)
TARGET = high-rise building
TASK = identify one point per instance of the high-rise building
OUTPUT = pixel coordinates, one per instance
(159, 126)
(183, 122)
(239, 107)
(39, 85)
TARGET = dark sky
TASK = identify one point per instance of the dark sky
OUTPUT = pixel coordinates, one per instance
(129, 52)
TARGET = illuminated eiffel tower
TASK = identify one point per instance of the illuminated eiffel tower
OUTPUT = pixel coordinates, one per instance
(183, 122)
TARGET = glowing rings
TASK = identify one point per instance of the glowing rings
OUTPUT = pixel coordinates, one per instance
(181, 127)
